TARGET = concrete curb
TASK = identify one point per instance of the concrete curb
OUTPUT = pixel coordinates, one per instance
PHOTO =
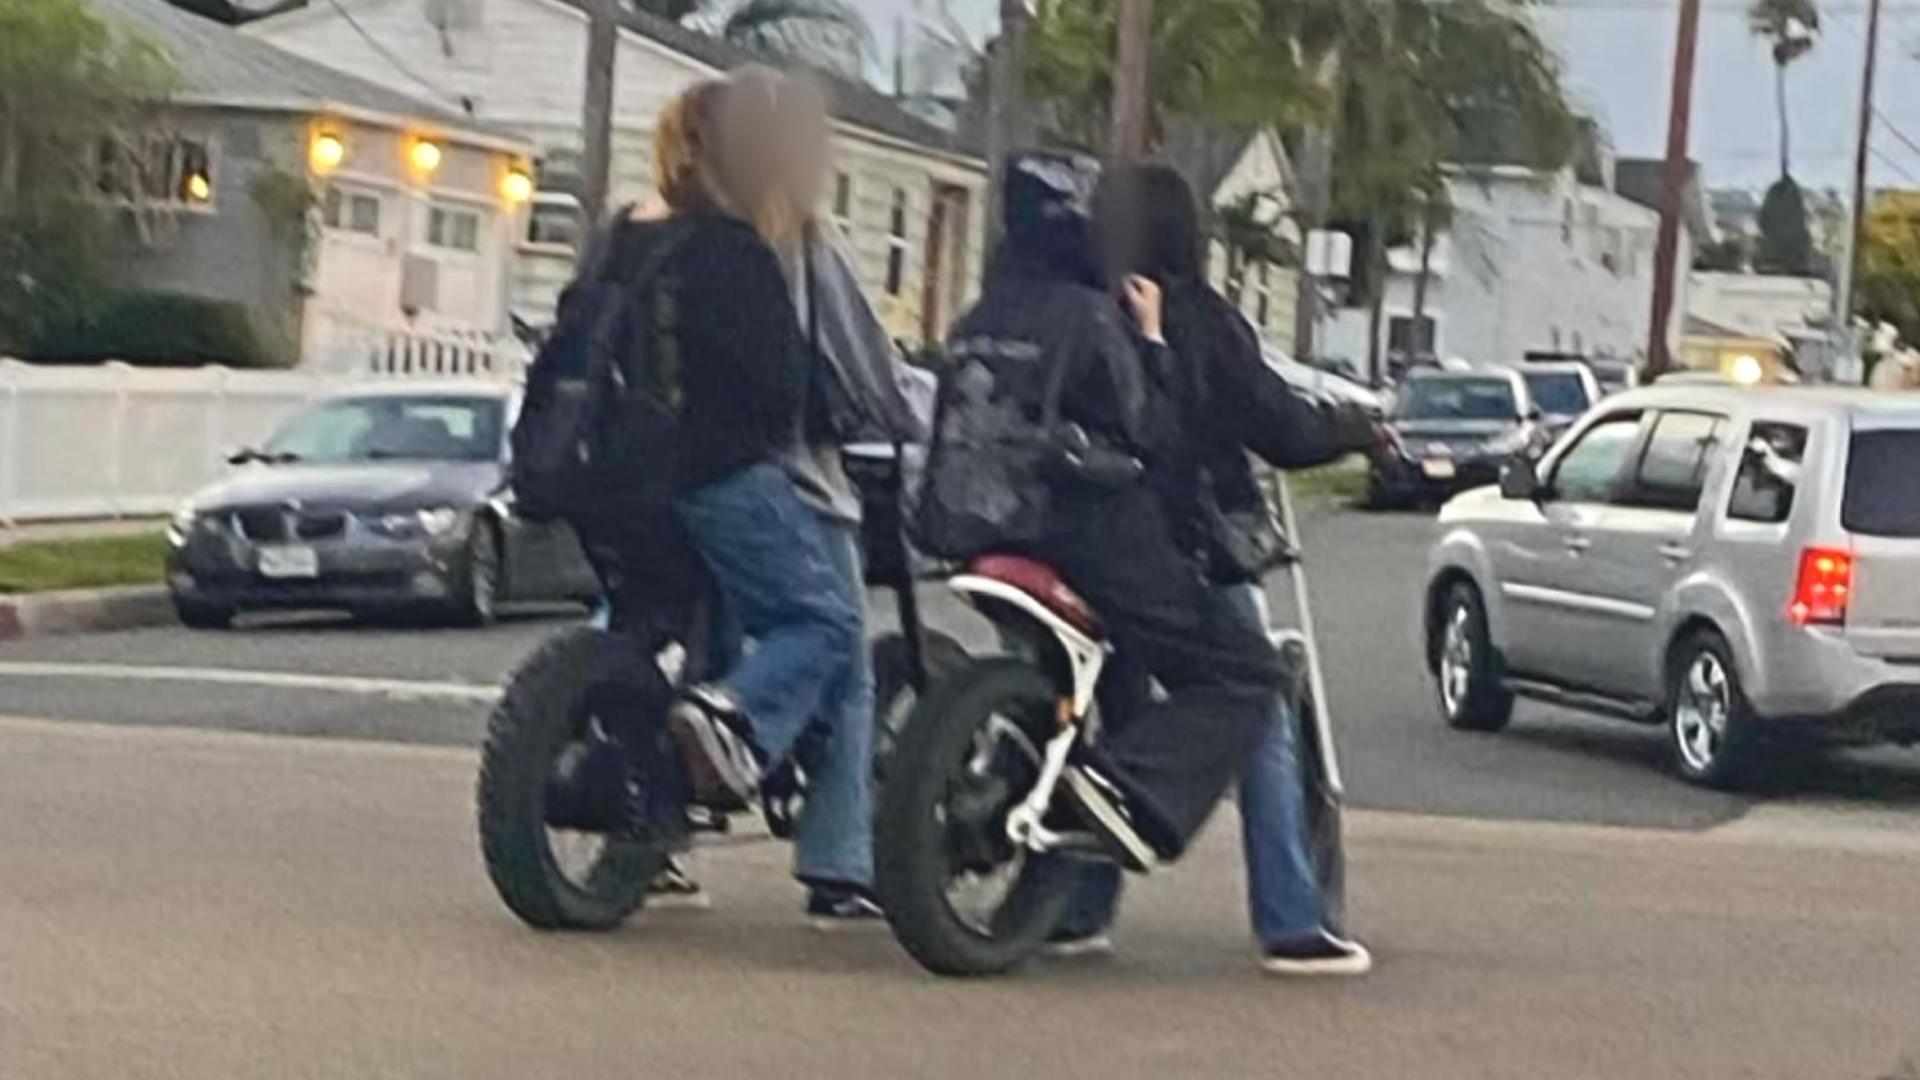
(84, 611)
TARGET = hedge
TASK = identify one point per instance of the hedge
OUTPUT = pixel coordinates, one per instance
(159, 329)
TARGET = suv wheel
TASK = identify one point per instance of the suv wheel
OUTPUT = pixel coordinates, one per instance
(1710, 726)
(1466, 674)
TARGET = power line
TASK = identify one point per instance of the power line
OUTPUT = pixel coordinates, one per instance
(391, 57)
(1890, 163)
(1890, 128)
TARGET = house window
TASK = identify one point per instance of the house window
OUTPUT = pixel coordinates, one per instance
(1411, 337)
(351, 211)
(161, 170)
(555, 221)
(1263, 298)
(458, 230)
(843, 202)
(897, 244)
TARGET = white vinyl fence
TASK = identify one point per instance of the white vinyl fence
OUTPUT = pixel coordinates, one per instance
(113, 440)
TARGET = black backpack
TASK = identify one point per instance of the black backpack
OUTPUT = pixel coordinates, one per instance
(599, 428)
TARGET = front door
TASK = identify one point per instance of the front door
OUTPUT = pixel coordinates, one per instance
(946, 259)
(1552, 616)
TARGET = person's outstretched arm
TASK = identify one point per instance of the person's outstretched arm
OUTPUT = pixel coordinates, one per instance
(1286, 427)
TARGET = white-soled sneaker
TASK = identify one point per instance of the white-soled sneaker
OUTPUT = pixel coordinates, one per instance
(1075, 948)
(1323, 954)
(716, 744)
(675, 888)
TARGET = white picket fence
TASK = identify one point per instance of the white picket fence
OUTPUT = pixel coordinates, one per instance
(341, 345)
(112, 440)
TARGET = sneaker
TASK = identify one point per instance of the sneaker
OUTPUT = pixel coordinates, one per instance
(676, 887)
(834, 909)
(1101, 804)
(1075, 946)
(714, 742)
(1323, 954)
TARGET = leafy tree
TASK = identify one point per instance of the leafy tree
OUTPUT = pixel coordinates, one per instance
(1791, 27)
(68, 86)
(830, 34)
(1786, 242)
(1889, 286)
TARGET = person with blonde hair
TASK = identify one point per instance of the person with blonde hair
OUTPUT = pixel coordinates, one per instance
(723, 330)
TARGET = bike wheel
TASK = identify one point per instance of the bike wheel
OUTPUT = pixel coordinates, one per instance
(895, 695)
(962, 899)
(552, 878)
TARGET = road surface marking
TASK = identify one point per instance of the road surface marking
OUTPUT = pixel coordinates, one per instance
(396, 689)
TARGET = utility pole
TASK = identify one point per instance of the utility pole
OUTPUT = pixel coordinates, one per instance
(1009, 124)
(596, 158)
(1130, 81)
(1673, 186)
(1314, 193)
(1856, 233)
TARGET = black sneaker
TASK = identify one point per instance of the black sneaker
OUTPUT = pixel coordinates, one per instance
(1103, 807)
(836, 908)
(676, 887)
(1322, 954)
(717, 746)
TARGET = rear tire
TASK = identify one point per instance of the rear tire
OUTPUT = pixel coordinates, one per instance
(200, 615)
(1466, 671)
(915, 832)
(894, 694)
(537, 718)
(1712, 732)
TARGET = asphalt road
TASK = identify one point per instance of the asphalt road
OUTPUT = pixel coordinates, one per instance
(185, 905)
(429, 685)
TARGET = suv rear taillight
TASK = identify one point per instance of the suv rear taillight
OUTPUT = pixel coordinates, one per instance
(1826, 583)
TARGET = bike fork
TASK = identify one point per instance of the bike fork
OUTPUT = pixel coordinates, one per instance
(1023, 824)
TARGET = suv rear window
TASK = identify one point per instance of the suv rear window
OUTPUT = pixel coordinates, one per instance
(1883, 484)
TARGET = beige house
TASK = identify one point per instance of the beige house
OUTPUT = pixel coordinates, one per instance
(910, 198)
(338, 212)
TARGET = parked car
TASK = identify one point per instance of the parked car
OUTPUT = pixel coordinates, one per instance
(1326, 380)
(1615, 376)
(1451, 430)
(1562, 391)
(1736, 564)
(384, 498)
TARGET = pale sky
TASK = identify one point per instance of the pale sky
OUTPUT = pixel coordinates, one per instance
(1617, 54)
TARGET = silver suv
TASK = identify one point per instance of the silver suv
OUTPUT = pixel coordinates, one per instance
(1735, 564)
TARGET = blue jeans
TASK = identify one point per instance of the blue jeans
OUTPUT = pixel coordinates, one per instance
(1284, 898)
(790, 583)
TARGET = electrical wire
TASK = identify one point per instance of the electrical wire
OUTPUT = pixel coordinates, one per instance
(393, 59)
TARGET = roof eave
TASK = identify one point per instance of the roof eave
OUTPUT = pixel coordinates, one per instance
(359, 114)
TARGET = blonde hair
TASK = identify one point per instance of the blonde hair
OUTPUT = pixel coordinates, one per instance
(712, 153)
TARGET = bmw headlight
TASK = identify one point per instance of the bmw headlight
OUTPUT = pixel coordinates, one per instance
(409, 524)
(181, 525)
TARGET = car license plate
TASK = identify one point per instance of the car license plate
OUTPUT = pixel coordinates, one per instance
(284, 561)
(1439, 469)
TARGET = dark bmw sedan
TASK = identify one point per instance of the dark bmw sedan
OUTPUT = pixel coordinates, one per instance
(386, 499)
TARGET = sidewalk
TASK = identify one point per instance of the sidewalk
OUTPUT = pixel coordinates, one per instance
(87, 529)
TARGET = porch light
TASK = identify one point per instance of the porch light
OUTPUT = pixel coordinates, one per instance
(516, 186)
(327, 153)
(424, 155)
(198, 187)
(1747, 370)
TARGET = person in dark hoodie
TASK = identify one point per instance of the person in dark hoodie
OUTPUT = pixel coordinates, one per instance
(1045, 314)
(1221, 401)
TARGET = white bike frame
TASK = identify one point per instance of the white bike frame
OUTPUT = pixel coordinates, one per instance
(1085, 659)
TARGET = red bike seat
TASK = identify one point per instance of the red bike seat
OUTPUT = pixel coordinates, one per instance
(1041, 582)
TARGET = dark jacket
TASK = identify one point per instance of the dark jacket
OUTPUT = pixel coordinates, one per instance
(1225, 399)
(743, 363)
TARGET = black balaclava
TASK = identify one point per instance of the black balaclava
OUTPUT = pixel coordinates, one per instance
(1048, 210)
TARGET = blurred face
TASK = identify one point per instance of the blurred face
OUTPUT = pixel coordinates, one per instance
(806, 139)
(750, 156)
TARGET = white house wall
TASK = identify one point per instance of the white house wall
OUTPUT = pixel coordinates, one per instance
(1528, 267)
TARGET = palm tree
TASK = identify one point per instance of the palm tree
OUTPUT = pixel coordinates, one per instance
(1792, 27)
